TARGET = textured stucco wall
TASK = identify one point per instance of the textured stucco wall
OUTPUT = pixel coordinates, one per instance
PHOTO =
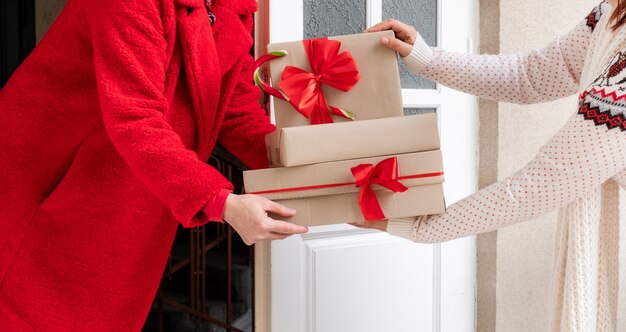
(524, 252)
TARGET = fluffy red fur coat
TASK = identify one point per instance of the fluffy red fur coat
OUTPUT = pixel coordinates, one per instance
(104, 135)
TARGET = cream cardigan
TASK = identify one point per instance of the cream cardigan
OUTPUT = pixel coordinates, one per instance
(577, 170)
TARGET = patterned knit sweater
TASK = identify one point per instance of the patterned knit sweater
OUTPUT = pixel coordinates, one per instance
(589, 150)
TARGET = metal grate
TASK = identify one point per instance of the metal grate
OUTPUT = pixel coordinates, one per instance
(207, 284)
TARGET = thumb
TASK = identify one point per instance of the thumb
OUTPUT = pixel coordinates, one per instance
(397, 45)
(280, 209)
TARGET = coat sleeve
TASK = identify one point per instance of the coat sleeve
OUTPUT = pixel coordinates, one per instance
(130, 64)
(541, 75)
(245, 123)
(579, 158)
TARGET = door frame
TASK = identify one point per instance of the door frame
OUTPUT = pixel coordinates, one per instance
(454, 262)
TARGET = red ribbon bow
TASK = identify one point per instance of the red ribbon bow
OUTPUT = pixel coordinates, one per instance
(328, 66)
(303, 90)
(384, 174)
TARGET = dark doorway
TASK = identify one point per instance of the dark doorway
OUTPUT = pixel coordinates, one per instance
(17, 34)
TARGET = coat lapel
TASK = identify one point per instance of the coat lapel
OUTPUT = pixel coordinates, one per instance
(231, 37)
(202, 68)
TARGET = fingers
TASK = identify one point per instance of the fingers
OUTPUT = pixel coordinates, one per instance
(279, 209)
(273, 237)
(275, 230)
(283, 227)
(389, 23)
(402, 30)
(380, 225)
(278, 230)
(248, 215)
(359, 224)
(278, 236)
(397, 45)
(382, 26)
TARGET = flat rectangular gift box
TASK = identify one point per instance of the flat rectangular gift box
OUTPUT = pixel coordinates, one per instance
(326, 193)
(304, 145)
(377, 94)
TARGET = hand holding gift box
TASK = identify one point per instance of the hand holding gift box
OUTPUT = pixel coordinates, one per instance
(328, 193)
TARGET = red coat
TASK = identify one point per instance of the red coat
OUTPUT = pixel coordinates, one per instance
(104, 132)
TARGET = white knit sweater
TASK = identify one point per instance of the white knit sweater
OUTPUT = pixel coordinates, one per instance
(580, 157)
(568, 172)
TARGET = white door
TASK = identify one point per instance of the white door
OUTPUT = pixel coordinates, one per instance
(340, 278)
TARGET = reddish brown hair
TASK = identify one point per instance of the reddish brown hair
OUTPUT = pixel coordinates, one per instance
(618, 18)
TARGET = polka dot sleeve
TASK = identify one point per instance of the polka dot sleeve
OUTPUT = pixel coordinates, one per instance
(541, 75)
(579, 158)
(621, 179)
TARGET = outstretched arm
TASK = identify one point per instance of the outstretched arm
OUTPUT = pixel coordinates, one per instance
(579, 158)
(538, 76)
(130, 63)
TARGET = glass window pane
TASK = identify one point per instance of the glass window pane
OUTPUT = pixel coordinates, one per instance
(422, 14)
(333, 17)
(420, 110)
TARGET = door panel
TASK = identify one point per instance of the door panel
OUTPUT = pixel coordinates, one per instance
(338, 278)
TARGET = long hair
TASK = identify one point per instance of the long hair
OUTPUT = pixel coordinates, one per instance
(618, 18)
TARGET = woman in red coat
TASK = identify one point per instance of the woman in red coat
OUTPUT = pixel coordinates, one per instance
(105, 131)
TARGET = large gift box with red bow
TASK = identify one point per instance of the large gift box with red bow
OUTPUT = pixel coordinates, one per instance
(332, 79)
(356, 190)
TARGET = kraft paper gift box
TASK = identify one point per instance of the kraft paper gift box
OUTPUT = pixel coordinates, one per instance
(327, 193)
(376, 94)
(304, 145)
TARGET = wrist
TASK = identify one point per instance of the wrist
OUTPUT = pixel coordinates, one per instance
(402, 227)
(231, 205)
(215, 208)
(420, 57)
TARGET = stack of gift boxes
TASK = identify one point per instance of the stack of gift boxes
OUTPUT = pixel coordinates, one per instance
(343, 151)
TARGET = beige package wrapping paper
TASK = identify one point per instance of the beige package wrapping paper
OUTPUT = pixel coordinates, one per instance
(306, 189)
(304, 145)
(376, 95)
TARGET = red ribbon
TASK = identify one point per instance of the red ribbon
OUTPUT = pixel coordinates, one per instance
(328, 66)
(336, 185)
(384, 174)
(303, 90)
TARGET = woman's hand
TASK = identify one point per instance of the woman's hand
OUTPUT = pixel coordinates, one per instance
(406, 35)
(248, 216)
(380, 225)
